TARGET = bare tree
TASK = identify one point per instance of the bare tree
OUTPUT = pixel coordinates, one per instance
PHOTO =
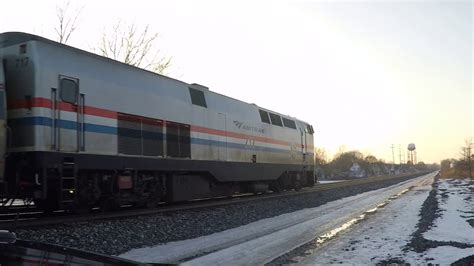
(321, 156)
(134, 47)
(371, 159)
(467, 155)
(67, 22)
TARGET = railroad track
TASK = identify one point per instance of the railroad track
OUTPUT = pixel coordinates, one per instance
(34, 218)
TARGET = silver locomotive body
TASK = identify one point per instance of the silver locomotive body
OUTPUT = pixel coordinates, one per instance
(84, 130)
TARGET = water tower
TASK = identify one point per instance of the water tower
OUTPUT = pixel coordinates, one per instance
(412, 153)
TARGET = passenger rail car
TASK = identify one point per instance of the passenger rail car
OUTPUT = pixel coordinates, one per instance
(78, 130)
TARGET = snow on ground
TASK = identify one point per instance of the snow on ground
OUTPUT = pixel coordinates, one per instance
(329, 181)
(16, 202)
(382, 237)
(262, 241)
(456, 202)
(442, 255)
(383, 234)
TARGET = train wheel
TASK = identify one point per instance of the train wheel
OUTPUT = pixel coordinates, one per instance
(298, 185)
(276, 186)
(152, 203)
(82, 209)
(109, 204)
(297, 182)
(311, 181)
(46, 205)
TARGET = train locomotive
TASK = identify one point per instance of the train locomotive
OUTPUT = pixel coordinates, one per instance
(78, 130)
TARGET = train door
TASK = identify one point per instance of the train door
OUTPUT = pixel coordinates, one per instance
(222, 155)
(68, 116)
(3, 122)
(250, 152)
(304, 142)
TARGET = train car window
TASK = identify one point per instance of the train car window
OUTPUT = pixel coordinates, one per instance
(276, 119)
(129, 134)
(152, 136)
(309, 129)
(68, 90)
(184, 141)
(139, 135)
(264, 116)
(172, 139)
(197, 97)
(178, 140)
(289, 123)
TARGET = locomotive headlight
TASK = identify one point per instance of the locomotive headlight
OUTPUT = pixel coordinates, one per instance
(71, 191)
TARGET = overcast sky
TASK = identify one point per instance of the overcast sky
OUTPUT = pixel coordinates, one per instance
(366, 74)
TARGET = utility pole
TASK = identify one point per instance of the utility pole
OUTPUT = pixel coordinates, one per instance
(400, 153)
(393, 154)
(393, 158)
(469, 160)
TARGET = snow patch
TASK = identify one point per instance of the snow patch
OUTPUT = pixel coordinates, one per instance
(443, 255)
(330, 181)
(382, 237)
(379, 237)
(455, 210)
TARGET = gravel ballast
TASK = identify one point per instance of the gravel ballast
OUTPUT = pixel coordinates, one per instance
(113, 237)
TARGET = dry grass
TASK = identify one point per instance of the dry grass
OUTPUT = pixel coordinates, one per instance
(455, 172)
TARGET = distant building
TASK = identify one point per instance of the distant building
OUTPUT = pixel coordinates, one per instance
(356, 171)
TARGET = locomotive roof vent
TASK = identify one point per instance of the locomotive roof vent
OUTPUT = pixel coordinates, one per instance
(199, 87)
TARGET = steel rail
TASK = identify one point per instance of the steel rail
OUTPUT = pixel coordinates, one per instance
(43, 220)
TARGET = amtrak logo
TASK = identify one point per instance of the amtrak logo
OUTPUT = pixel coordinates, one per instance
(242, 125)
(238, 124)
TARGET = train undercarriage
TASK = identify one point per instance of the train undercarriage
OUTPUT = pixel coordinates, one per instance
(75, 185)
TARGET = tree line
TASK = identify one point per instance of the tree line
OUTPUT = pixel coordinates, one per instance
(462, 166)
(355, 164)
